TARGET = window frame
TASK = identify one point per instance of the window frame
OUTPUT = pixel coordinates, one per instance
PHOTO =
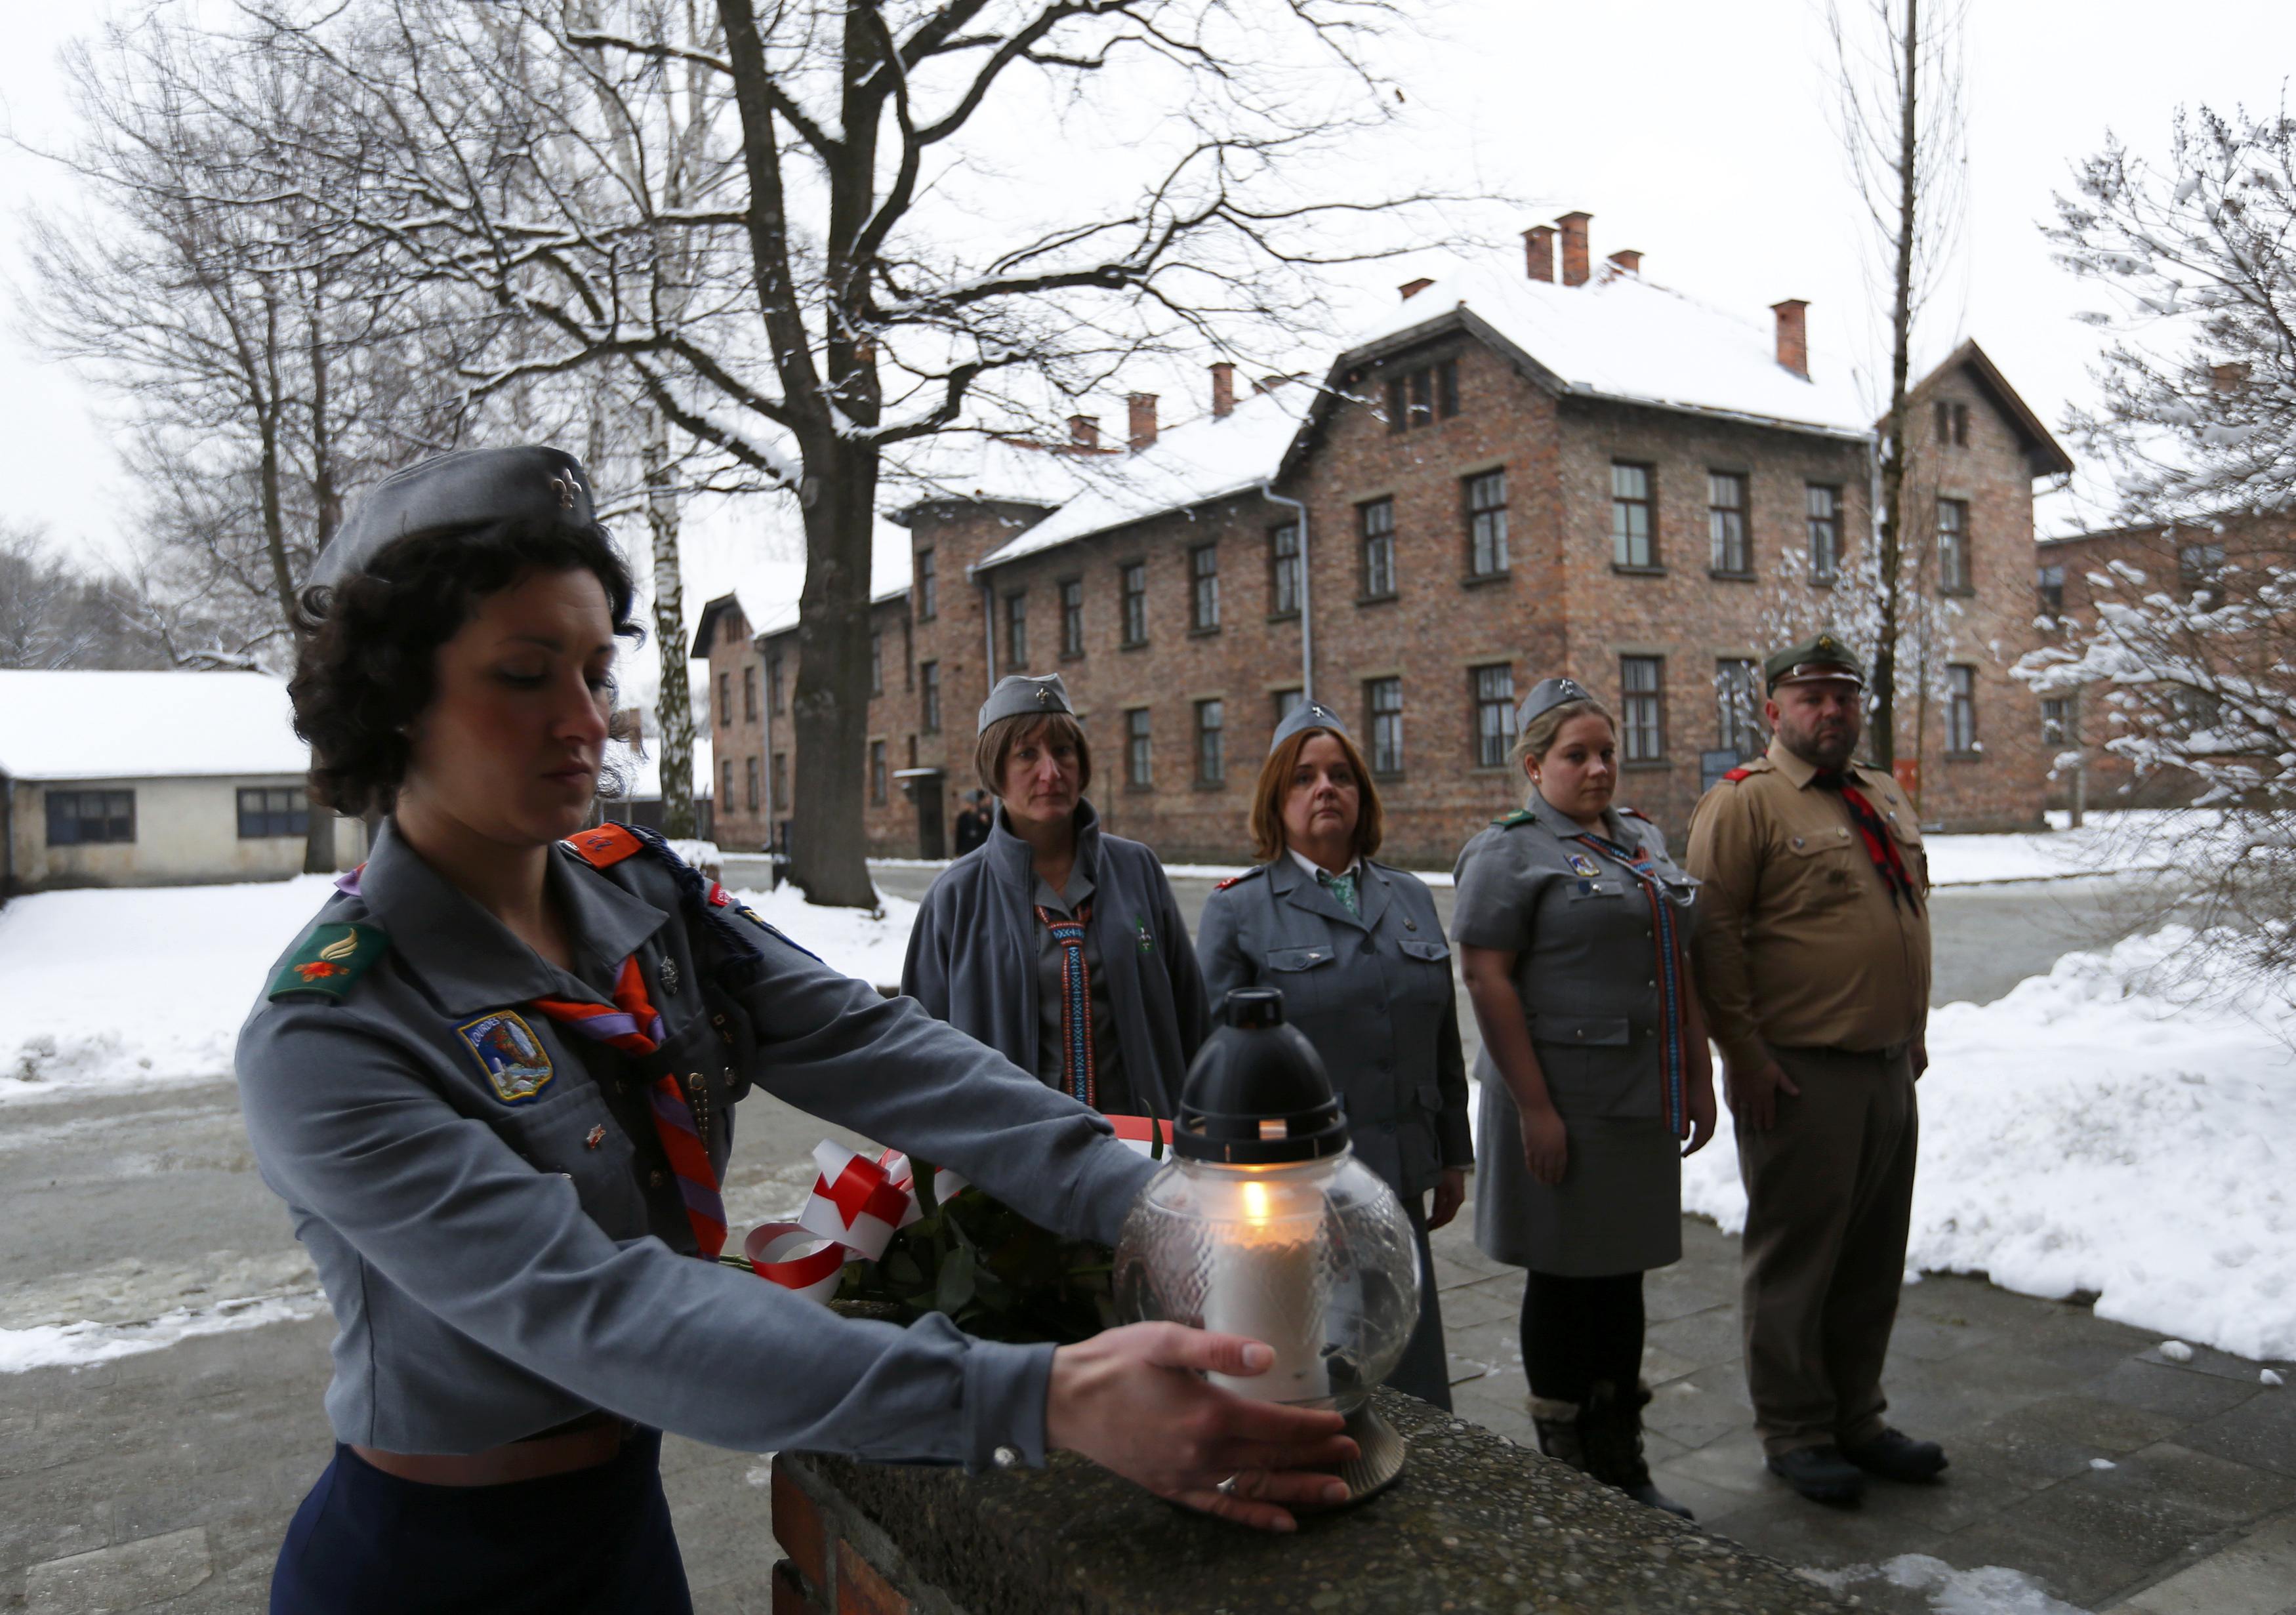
(929, 697)
(1283, 571)
(1739, 730)
(1720, 520)
(2049, 593)
(2055, 723)
(296, 815)
(1375, 541)
(1487, 525)
(1132, 596)
(927, 584)
(1071, 618)
(749, 693)
(1203, 589)
(1961, 578)
(1383, 727)
(753, 782)
(1016, 630)
(776, 683)
(1492, 713)
(724, 698)
(110, 816)
(779, 772)
(1631, 727)
(1962, 738)
(880, 789)
(1621, 541)
(876, 662)
(1139, 749)
(1825, 558)
(1211, 743)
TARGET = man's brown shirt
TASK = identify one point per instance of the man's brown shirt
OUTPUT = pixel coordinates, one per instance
(1798, 943)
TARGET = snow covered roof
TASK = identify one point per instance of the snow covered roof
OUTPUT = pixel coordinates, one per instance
(962, 465)
(776, 595)
(144, 725)
(1191, 464)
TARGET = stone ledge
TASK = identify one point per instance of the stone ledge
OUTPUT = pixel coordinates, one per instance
(1476, 1524)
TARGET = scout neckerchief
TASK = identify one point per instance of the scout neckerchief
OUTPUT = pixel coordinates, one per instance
(1879, 845)
(1076, 1000)
(634, 1027)
(1340, 886)
(1639, 863)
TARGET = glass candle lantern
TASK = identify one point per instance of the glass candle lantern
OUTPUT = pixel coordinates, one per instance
(1264, 1224)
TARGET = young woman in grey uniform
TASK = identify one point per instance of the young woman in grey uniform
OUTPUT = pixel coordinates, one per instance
(1055, 943)
(1357, 951)
(1573, 924)
(494, 1080)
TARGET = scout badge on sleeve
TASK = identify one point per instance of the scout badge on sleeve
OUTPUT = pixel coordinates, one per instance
(507, 1051)
(331, 959)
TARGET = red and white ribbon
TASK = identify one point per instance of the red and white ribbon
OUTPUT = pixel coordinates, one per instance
(785, 1254)
(1137, 1131)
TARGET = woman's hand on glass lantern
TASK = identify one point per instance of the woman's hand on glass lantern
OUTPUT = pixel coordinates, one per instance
(1133, 1400)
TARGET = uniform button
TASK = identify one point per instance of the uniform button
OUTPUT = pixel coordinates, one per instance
(1411, 925)
(1368, 946)
(656, 1179)
(1006, 1457)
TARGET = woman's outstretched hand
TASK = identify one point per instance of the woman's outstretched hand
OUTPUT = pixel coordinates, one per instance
(1131, 1400)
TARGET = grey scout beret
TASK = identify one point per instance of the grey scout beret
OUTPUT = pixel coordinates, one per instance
(1546, 695)
(467, 488)
(1307, 715)
(1017, 694)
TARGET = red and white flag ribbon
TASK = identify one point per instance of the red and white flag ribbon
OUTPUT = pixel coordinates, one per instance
(946, 1184)
(1137, 1131)
(854, 1201)
(796, 1258)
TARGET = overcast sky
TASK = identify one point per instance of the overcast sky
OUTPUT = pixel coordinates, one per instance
(1700, 133)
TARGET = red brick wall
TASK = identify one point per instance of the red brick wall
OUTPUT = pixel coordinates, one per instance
(737, 734)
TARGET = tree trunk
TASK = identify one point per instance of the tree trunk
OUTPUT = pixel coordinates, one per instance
(674, 707)
(829, 841)
(326, 499)
(1884, 728)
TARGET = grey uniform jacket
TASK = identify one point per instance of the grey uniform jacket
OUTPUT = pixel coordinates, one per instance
(502, 1245)
(972, 956)
(1586, 960)
(1373, 994)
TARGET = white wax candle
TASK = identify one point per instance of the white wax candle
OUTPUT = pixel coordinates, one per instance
(1262, 1286)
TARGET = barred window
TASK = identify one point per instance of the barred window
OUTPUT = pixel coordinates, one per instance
(1378, 519)
(269, 810)
(1633, 542)
(1203, 588)
(1953, 546)
(1211, 758)
(1494, 714)
(1383, 708)
(1641, 714)
(1738, 707)
(1016, 629)
(929, 697)
(1961, 708)
(1487, 524)
(1726, 521)
(1073, 617)
(1822, 504)
(1284, 570)
(1135, 749)
(1134, 579)
(928, 585)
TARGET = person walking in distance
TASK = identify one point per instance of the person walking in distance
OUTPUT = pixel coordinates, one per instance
(1814, 966)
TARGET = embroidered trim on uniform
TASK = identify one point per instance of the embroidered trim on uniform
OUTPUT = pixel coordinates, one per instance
(515, 1063)
(1076, 1002)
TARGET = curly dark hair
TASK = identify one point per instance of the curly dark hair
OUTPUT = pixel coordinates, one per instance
(365, 660)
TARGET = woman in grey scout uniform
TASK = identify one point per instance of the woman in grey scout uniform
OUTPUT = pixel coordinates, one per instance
(1358, 953)
(494, 1081)
(1055, 943)
(1572, 925)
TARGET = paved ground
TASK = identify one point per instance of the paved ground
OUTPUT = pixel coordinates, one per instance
(163, 1481)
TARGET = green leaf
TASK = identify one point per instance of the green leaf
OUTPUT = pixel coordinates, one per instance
(955, 1280)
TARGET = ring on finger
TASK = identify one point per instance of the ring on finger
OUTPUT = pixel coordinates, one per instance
(1226, 1488)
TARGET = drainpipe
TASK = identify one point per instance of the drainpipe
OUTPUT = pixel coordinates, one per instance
(765, 795)
(1306, 595)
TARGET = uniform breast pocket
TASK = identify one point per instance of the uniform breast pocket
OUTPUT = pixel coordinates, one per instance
(1303, 975)
(573, 1134)
(1579, 889)
(1825, 871)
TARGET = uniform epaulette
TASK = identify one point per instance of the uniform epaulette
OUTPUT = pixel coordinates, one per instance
(1521, 815)
(1635, 813)
(331, 961)
(1735, 774)
(605, 845)
(1237, 879)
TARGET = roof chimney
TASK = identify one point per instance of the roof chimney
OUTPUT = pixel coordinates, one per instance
(1412, 289)
(1084, 431)
(1626, 261)
(1223, 390)
(1140, 428)
(1539, 252)
(1793, 335)
(1574, 247)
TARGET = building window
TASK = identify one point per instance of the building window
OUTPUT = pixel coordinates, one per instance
(1378, 519)
(1135, 749)
(928, 585)
(1016, 629)
(1073, 617)
(724, 700)
(750, 779)
(1211, 753)
(1633, 541)
(1284, 570)
(1726, 523)
(2056, 716)
(79, 818)
(781, 783)
(1822, 504)
(877, 661)
(1952, 422)
(1134, 577)
(775, 683)
(1286, 700)
(1953, 546)
(750, 694)
(2199, 568)
(1642, 715)
(1494, 716)
(725, 788)
(269, 810)
(1960, 707)
(1383, 713)
(929, 697)
(1738, 707)
(1203, 588)
(877, 772)
(2049, 582)
(1487, 536)
(1423, 396)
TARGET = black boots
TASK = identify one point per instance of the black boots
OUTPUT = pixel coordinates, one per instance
(1610, 1434)
(1557, 1423)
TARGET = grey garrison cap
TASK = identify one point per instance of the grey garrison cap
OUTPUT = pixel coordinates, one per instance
(1307, 715)
(1017, 694)
(1546, 695)
(467, 488)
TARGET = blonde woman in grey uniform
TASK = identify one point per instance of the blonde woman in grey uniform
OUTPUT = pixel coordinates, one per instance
(1573, 924)
(1357, 950)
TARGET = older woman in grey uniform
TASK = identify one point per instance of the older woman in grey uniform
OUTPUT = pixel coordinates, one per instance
(1358, 953)
(494, 1080)
(1053, 942)
(1572, 925)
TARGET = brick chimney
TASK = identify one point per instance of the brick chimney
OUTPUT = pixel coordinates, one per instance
(1412, 289)
(1539, 252)
(1223, 390)
(1574, 247)
(1793, 335)
(1626, 261)
(1140, 426)
(1084, 431)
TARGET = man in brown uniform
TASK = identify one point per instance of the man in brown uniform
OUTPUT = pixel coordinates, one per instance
(1813, 963)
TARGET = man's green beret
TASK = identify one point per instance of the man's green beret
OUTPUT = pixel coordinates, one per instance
(1828, 656)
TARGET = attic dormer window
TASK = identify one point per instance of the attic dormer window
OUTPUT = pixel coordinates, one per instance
(1423, 397)
(1952, 423)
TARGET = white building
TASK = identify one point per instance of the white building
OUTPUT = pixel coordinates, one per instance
(151, 779)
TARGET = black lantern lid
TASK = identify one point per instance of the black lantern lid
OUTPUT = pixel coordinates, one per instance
(1258, 1093)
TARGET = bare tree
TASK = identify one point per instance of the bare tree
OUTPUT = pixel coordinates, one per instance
(52, 616)
(829, 279)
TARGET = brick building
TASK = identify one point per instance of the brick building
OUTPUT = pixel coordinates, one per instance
(1514, 473)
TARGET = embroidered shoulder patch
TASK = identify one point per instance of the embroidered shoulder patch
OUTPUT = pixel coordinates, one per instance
(330, 963)
(1735, 774)
(1521, 815)
(512, 1058)
(1635, 813)
(607, 845)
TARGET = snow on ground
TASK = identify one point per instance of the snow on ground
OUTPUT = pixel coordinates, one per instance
(133, 1306)
(77, 1345)
(2084, 1133)
(1992, 1590)
(871, 946)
